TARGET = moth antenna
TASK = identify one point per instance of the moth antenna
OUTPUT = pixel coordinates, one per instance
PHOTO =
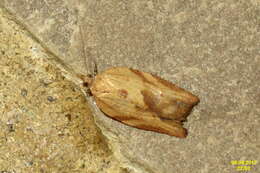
(95, 69)
(92, 65)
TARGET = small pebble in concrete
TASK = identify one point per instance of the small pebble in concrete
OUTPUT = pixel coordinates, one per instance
(24, 92)
(51, 99)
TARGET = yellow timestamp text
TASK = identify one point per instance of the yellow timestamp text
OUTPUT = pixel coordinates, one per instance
(244, 165)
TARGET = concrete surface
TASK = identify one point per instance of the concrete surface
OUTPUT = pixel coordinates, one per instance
(46, 124)
(208, 47)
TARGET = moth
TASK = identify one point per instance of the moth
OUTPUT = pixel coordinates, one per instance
(142, 100)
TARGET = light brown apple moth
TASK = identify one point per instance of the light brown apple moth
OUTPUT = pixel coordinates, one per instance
(142, 100)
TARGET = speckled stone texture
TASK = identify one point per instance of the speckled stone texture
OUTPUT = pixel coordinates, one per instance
(208, 47)
(46, 124)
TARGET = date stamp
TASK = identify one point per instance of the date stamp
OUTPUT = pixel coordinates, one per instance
(244, 165)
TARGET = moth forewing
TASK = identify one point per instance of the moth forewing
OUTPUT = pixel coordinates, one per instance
(143, 100)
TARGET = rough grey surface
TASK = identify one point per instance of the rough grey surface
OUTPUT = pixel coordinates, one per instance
(46, 124)
(208, 47)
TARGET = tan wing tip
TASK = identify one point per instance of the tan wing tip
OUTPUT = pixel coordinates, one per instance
(177, 131)
(195, 100)
(181, 133)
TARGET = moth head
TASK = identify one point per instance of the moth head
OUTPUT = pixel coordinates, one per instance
(87, 82)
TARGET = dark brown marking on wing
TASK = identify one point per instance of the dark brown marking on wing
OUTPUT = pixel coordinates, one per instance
(123, 93)
(182, 110)
(151, 101)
